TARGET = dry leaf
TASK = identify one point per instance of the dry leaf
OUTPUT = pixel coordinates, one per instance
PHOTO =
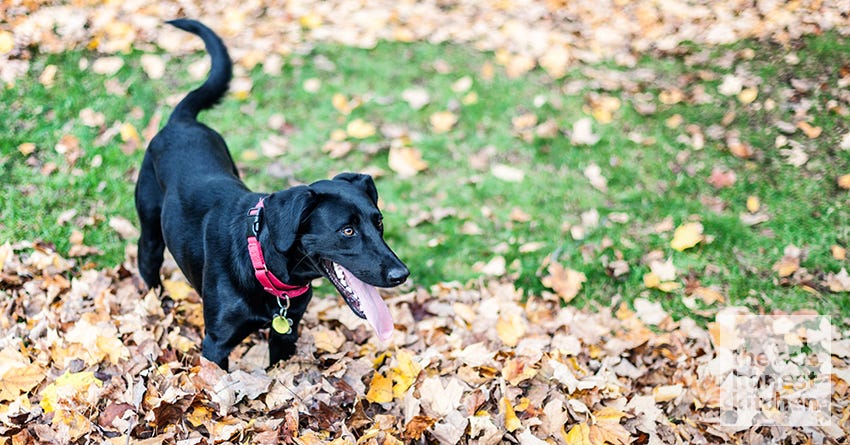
(108, 66)
(153, 65)
(406, 161)
(442, 121)
(507, 173)
(416, 97)
(512, 422)
(380, 390)
(582, 133)
(811, 131)
(564, 281)
(686, 236)
(359, 129)
(844, 181)
(510, 328)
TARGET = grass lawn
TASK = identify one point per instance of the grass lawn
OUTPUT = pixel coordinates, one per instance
(746, 140)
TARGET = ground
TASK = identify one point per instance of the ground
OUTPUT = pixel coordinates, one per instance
(593, 198)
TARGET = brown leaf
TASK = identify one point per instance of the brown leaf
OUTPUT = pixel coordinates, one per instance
(564, 281)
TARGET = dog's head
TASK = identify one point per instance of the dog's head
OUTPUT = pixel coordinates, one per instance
(337, 225)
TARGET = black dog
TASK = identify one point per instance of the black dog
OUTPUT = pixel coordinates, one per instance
(239, 249)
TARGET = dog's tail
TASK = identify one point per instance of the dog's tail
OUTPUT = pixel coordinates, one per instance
(221, 71)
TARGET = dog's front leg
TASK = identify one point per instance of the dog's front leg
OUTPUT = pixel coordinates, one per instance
(226, 323)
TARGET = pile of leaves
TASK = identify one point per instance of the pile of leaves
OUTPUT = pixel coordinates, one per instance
(87, 356)
(552, 34)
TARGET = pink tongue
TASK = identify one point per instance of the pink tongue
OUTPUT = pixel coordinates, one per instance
(373, 306)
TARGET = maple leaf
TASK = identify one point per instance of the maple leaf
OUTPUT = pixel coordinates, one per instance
(405, 374)
(605, 428)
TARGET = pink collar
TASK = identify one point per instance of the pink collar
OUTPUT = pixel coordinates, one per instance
(270, 283)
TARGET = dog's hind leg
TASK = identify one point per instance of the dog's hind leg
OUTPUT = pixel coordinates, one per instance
(149, 208)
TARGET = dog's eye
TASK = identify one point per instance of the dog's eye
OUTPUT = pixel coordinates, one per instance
(381, 225)
(348, 231)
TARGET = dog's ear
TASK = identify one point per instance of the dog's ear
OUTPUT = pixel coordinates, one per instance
(365, 182)
(284, 211)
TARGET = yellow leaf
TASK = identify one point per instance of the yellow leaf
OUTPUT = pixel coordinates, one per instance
(310, 20)
(406, 161)
(26, 148)
(668, 286)
(129, 133)
(686, 236)
(442, 121)
(20, 379)
(359, 129)
(178, 290)
(405, 374)
(748, 95)
(65, 385)
(510, 327)
(651, 280)
(579, 435)
(199, 415)
(341, 103)
(380, 390)
(753, 204)
(512, 422)
(7, 42)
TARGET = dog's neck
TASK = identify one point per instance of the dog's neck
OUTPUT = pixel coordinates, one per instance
(273, 272)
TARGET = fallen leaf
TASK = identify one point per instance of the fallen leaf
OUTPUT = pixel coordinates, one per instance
(582, 133)
(416, 97)
(838, 252)
(380, 390)
(666, 393)
(404, 375)
(442, 121)
(721, 178)
(844, 181)
(153, 65)
(564, 281)
(107, 66)
(686, 236)
(406, 161)
(810, 131)
(512, 422)
(7, 42)
(507, 173)
(753, 204)
(510, 328)
(359, 129)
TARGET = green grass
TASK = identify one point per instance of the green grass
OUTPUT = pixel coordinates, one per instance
(646, 182)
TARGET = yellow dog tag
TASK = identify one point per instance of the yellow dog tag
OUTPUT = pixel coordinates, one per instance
(282, 325)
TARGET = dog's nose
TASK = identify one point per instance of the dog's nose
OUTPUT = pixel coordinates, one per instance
(397, 275)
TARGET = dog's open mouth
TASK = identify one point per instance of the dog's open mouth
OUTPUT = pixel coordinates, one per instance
(362, 298)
